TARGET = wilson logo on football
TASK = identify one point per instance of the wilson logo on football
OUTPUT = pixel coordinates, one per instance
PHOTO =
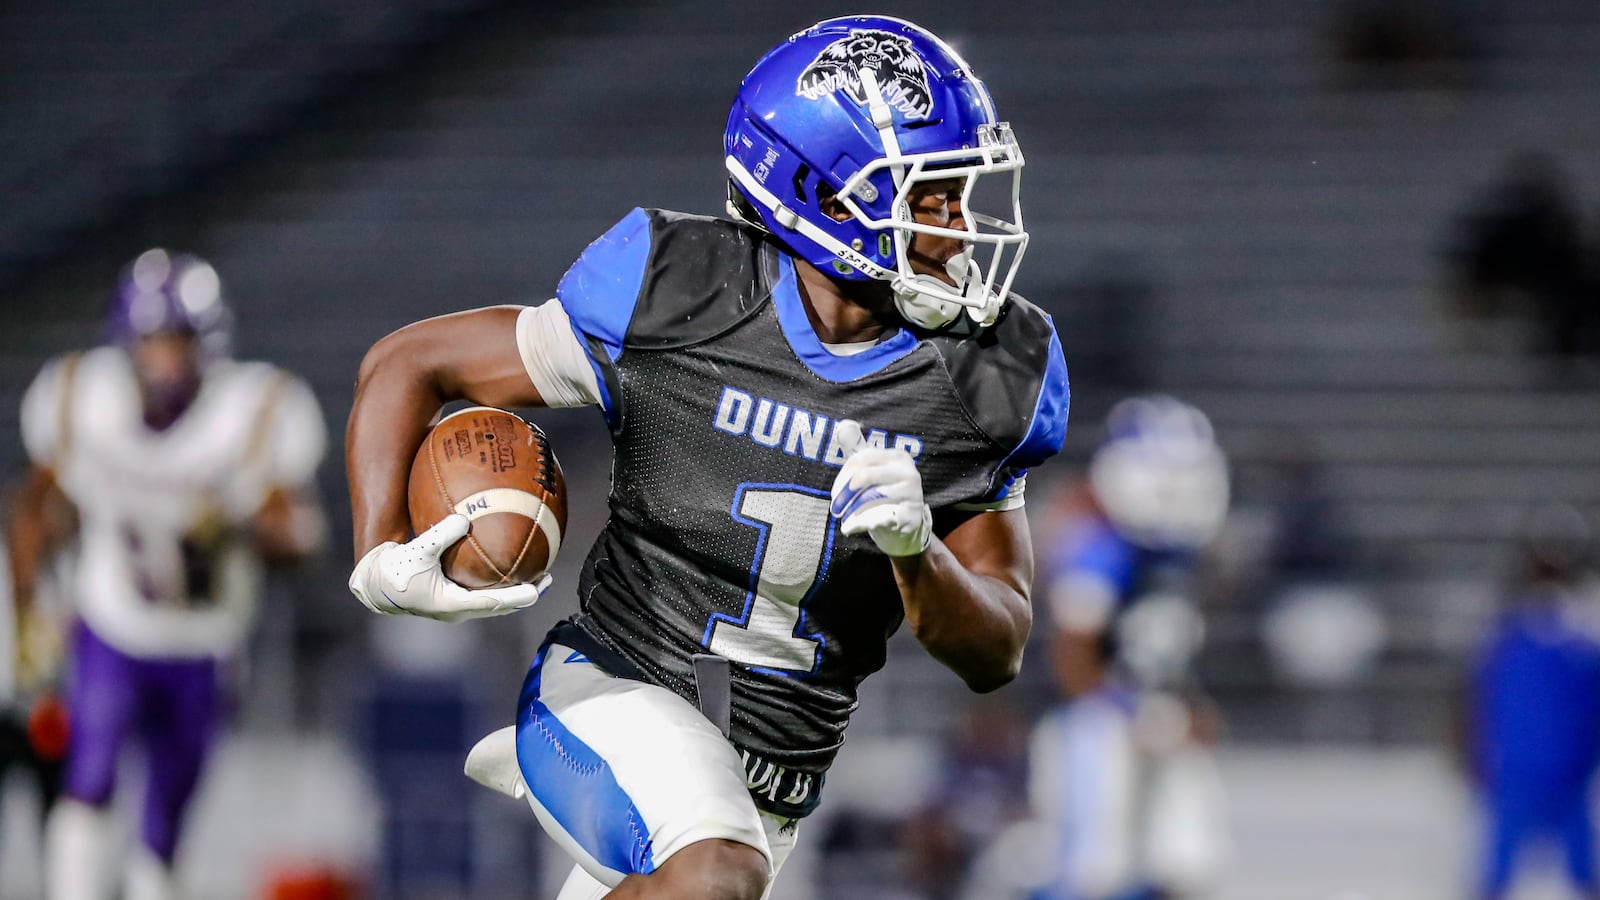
(895, 65)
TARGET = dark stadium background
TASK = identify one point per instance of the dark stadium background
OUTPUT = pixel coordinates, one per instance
(1259, 206)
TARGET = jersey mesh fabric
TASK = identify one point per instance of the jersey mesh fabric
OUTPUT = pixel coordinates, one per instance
(672, 554)
(721, 477)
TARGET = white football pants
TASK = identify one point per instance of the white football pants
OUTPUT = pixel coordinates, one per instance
(624, 774)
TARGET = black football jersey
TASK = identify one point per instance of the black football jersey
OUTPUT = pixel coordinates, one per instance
(721, 402)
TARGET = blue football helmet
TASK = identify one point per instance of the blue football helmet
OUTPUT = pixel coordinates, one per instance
(1159, 475)
(867, 108)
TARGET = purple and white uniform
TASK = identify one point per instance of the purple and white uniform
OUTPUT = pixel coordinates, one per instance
(160, 590)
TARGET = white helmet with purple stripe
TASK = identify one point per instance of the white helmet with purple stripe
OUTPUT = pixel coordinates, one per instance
(161, 292)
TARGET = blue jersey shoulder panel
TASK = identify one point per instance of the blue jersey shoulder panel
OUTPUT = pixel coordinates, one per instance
(1047, 430)
(601, 290)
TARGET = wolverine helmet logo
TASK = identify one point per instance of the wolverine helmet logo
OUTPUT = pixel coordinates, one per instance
(894, 63)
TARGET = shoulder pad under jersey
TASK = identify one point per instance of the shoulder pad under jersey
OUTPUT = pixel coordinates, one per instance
(1012, 380)
(660, 279)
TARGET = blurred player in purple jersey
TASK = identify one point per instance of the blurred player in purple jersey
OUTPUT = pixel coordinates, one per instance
(169, 472)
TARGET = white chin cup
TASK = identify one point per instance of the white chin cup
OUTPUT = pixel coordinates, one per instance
(921, 298)
(922, 309)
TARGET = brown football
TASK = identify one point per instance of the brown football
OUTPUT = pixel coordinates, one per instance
(498, 471)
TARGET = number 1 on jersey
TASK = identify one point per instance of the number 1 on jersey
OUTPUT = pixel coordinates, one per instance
(791, 557)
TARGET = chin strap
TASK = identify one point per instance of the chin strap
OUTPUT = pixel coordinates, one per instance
(788, 218)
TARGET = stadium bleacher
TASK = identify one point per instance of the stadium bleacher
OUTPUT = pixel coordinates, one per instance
(1295, 224)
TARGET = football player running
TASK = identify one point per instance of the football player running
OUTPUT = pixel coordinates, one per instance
(822, 408)
(170, 471)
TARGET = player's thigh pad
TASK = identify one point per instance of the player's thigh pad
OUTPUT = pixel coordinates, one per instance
(623, 774)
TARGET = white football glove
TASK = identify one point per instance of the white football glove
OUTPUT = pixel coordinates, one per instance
(879, 491)
(395, 579)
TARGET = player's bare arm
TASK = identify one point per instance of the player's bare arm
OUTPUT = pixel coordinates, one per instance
(1075, 660)
(404, 379)
(966, 597)
(41, 521)
(1081, 603)
(290, 527)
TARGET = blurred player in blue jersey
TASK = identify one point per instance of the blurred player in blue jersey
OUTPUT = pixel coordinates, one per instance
(1119, 775)
(179, 469)
(1533, 735)
(823, 410)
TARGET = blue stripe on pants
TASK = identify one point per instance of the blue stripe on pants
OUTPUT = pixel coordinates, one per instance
(576, 785)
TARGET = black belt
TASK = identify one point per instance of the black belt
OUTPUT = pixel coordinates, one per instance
(775, 789)
(713, 675)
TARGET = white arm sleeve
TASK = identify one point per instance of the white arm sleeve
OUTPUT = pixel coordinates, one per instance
(557, 363)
